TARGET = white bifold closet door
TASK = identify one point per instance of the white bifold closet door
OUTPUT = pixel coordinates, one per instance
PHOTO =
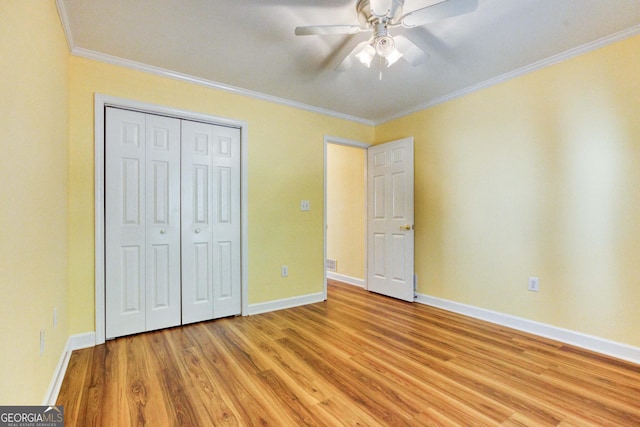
(142, 227)
(172, 222)
(210, 221)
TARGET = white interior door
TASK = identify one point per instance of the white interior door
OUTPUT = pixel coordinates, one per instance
(211, 281)
(390, 235)
(142, 222)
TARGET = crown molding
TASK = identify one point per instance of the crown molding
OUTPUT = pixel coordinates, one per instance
(162, 72)
(555, 59)
(113, 60)
(64, 20)
(150, 69)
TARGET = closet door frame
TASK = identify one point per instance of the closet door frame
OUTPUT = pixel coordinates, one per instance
(100, 103)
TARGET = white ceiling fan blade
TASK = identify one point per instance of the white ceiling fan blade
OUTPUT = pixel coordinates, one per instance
(410, 52)
(321, 30)
(437, 12)
(350, 59)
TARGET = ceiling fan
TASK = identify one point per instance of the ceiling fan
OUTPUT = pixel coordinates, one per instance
(377, 16)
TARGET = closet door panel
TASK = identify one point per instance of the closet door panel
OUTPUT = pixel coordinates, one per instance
(197, 236)
(125, 254)
(142, 222)
(162, 222)
(226, 236)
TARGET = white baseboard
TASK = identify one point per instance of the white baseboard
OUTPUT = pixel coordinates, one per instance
(345, 279)
(79, 341)
(265, 307)
(578, 339)
(74, 342)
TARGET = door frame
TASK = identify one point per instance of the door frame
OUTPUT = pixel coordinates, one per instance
(100, 102)
(328, 139)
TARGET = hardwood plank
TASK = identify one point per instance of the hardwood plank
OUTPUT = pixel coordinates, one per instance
(146, 385)
(461, 404)
(338, 411)
(357, 359)
(207, 393)
(95, 392)
(72, 389)
(288, 400)
(242, 390)
(310, 387)
(355, 385)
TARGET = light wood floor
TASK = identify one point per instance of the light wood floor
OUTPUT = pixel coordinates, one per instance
(357, 359)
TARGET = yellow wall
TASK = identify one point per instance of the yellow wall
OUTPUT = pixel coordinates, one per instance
(33, 197)
(286, 161)
(346, 209)
(538, 176)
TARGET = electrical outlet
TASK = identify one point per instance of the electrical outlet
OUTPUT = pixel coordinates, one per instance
(534, 284)
(305, 205)
(284, 271)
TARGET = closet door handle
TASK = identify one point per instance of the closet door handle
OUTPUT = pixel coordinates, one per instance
(163, 231)
(197, 230)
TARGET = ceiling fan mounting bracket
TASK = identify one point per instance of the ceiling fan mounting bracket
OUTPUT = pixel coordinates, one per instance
(368, 16)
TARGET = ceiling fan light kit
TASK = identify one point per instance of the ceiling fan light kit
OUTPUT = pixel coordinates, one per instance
(377, 16)
(366, 55)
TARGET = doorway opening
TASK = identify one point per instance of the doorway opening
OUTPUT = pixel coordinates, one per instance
(345, 216)
(386, 218)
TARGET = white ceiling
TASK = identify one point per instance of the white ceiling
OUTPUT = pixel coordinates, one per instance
(250, 46)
